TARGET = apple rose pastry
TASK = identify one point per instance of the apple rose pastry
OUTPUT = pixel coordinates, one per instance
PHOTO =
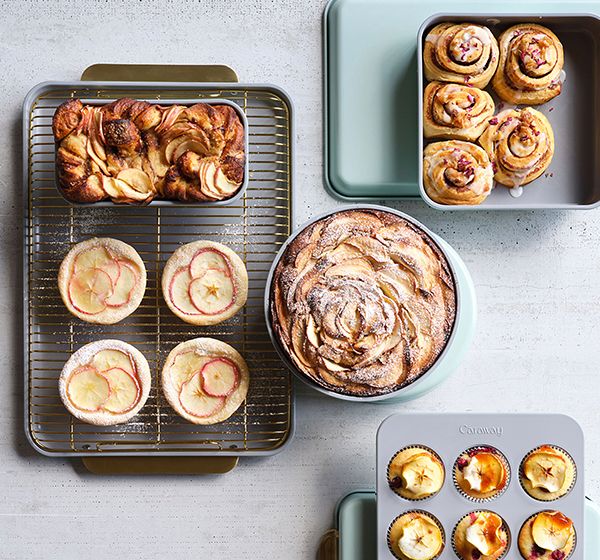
(416, 473)
(102, 280)
(105, 382)
(205, 380)
(455, 111)
(481, 473)
(482, 535)
(457, 172)
(531, 62)
(362, 302)
(548, 473)
(548, 535)
(520, 144)
(416, 535)
(464, 53)
(205, 283)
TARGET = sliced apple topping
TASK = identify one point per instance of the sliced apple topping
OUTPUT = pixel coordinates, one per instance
(546, 469)
(196, 402)
(485, 472)
(87, 390)
(184, 366)
(172, 146)
(189, 145)
(89, 290)
(124, 286)
(208, 258)
(124, 391)
(422, 475)
(220, 377)
(110, 358)
(179, 290)
(213, 292)
(421, 539)
(96, 257)
(137, 180)
(485, 533)
(551, 530)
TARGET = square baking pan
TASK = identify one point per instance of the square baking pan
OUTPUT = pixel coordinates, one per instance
(572, 181)
(167, 202)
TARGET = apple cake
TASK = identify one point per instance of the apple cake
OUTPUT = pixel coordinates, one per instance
(133, 151)
(363, 302)
(481, 473)
(481, 534)
(416, 473)
(548, 473)
(416, 534)
(547, 535)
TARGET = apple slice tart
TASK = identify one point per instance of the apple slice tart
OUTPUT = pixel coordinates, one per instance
(205, 380)
(548, 535)
(105, 382)
(548, 473)
(102, 280)
(205, 283)
(482, 535)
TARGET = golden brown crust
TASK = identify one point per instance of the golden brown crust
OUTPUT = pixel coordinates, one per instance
(98, 145)
(363, 302)
(531, 61)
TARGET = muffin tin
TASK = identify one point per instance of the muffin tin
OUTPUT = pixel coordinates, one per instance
(572, 179)
(514, 435)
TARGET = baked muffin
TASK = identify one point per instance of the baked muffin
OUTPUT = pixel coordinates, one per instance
(548, 535)
(362, 302)
(548, 473)
(416, 473)
(481, 473)
(205, 380)
(481, 535)
(205, 283)
(416, 535)
(105, 382)
(102, 280)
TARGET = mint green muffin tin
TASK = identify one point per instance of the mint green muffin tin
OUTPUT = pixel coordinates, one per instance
(371, 99)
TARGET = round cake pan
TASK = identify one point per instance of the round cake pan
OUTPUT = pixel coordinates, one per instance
(458, 341)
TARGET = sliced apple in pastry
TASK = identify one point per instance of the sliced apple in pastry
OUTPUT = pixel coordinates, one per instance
(421, 539)
(179, 291)
(89, 290)
(111, 187)
(546, 469)
(196, 402)
(95, 257)
(184, 366)
(137, 179)
(213, 292)
(551, 530)
(87, 389)
(220, 377)
(189, 145)
(206, 259)
(485, 533)
(109, 359)
(124, 391)
(124, 286)
(172, 146)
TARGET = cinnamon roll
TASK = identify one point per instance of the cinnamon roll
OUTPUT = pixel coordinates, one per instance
(520, 144)
(531, 61)
(460, 52)
(456, 172)
(455, 111)
(362, 302)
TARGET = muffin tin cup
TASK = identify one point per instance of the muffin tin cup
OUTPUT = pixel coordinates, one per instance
(429, 516)
(504, 525)
(456, 345)
(576, 535)
(449, 435)
(560, 450)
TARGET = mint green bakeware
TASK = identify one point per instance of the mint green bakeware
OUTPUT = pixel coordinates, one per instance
(371, 131)
(354, 536)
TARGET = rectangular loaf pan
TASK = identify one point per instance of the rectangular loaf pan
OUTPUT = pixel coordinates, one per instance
(186, 100)
(573, 179)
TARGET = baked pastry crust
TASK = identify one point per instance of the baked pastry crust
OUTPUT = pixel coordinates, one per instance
(488, 467)
(362, 302)
(132, 151)
(434, 534)
(520, 145)
(530, 66)
(455, 111)
(545, 468)
(426, 476)
(181, 259)
(457, 172)
(493, 530)
(83, 357)
(464, 53)
(531, 551)
(209, 349)
(120, 251)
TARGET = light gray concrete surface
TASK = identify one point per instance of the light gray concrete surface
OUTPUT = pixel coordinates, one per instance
(537, 276)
